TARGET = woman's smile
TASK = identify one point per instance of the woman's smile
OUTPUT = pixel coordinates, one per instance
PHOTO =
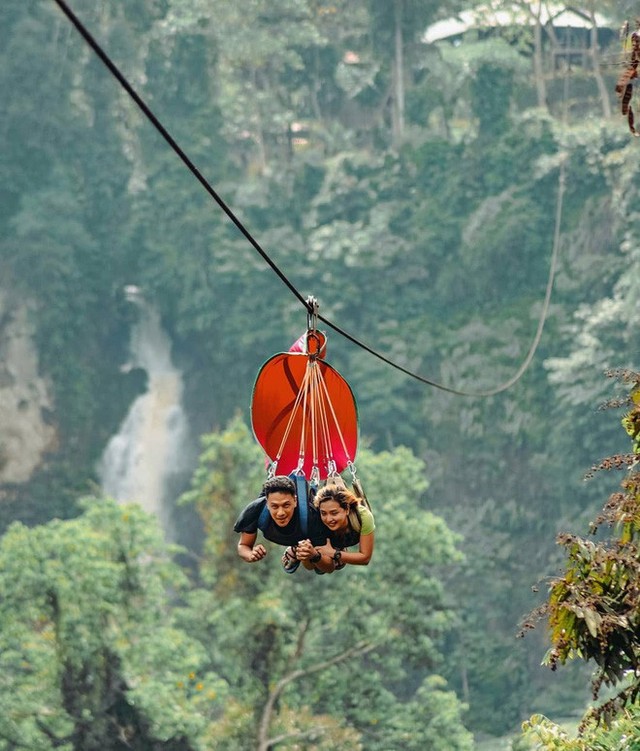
(333, 515)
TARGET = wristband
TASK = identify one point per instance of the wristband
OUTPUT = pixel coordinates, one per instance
(337, 556)
(316, 558)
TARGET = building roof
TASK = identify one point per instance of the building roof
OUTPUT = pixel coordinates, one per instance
(495, 14)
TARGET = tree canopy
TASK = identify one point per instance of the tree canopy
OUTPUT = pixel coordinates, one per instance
(344, 645)
(412, 188)
(592, 607)
(107, 643)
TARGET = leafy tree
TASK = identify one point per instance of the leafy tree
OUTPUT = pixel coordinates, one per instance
(435, 253)
(63, 210)
(358, 646)
(396, 31)
(90, 655)
(260, 58)
(592, 608)
(605, 325)
(540, 734)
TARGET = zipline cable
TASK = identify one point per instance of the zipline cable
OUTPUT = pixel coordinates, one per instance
(122, 80)
(536, 339)
(114, 70)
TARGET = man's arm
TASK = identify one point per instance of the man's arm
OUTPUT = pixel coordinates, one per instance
(246, 549)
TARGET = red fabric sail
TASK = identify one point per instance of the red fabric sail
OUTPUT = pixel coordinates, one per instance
(304, 414)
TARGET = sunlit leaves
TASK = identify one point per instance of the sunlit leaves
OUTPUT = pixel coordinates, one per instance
(621, 734)
(593, 608)
(263, 626)
(88, 648)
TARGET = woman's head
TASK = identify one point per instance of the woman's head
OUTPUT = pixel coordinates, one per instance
(337, 506)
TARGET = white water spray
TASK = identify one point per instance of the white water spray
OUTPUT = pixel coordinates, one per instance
(150, 449)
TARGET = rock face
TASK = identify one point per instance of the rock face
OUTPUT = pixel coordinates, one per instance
(25, 397)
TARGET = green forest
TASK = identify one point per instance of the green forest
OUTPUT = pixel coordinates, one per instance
(429, 195)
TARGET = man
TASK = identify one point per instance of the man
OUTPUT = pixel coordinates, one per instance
(283, 525)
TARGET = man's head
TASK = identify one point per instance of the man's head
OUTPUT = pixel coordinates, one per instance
(280, 492)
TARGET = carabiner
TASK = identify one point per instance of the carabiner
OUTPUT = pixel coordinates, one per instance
(312, 313)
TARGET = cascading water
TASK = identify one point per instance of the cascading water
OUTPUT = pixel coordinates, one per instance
(143, 462)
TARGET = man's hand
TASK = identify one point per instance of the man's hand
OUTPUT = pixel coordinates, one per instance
(305, 550)
(256, 554)
(316, 557)
(248, 550)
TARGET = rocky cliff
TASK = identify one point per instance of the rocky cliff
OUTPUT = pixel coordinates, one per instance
(26, 433)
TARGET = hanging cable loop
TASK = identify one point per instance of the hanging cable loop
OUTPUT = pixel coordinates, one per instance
(311, 303)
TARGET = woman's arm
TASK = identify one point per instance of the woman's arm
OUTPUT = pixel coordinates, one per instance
(362, 556)
(246, 549)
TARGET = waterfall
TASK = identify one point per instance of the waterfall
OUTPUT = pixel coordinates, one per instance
(149, 453)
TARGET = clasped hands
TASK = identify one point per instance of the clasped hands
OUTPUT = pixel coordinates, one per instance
(305, 550)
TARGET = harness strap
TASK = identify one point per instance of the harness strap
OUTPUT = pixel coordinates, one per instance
(263, 521)
(303, 508)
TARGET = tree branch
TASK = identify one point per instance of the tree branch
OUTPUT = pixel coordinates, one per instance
(267, 713)
(317, 731)
(304, 627)
(13, 742)
(53, 738)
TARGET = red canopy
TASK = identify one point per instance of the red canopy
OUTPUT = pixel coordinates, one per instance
(304, 413)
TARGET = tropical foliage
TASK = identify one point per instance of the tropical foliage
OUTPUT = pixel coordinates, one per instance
(412, 188)
(106, 644)
(91, 656)
(592, 609)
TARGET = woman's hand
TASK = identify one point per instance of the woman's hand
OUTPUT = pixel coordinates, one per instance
(305, 550)
(327, 549)
(313, 558)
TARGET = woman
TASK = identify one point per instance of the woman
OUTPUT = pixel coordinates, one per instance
(349, 522)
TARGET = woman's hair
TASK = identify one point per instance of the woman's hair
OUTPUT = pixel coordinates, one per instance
(344, 498)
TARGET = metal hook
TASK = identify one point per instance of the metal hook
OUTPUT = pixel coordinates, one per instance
(312, 313)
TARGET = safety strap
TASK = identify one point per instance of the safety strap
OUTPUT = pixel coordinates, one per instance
(360, 494)
(263, 521)
(303, 508)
